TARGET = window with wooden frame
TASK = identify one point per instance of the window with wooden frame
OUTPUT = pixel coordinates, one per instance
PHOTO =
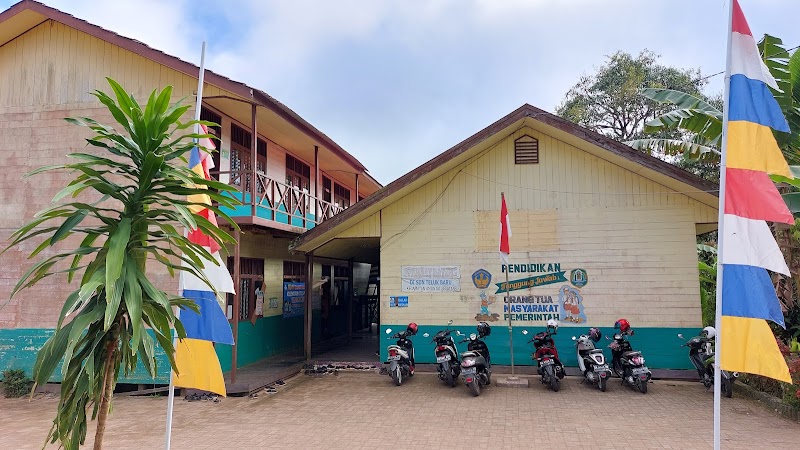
(251, 278)
(294, 271)
(341, 196)
(240, 157)
(211, 116)
(327, 189)
(298, 173)
(526, 150)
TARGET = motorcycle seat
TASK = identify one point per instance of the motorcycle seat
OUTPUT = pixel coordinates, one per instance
(595, 351)
(470, 354)
(628, 355)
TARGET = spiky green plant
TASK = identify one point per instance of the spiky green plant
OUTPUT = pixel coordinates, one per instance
(139, 180)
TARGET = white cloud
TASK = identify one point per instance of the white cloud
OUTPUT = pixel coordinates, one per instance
(397, 81)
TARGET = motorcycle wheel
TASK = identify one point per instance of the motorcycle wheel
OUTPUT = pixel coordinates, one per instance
(397, 376)
(642, 386)
(602, 384)
(727, 388)
(475, 387)
(448, 374)
(554, 384)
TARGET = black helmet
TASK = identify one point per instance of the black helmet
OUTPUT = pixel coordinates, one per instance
(595, 334)
(484, 329)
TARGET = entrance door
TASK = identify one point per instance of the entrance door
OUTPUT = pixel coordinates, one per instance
(251, 283)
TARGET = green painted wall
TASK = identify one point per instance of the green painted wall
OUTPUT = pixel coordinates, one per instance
(268, 337)
(19, 347)
(660, 347)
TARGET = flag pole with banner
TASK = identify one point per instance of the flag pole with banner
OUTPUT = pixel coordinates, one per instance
(195, 358)
(505, 249)
(748, 199)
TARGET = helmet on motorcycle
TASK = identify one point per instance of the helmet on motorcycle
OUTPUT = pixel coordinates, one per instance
(552, 323)
(484, 329)
(595, 334)
(709, 332)
(412, 329)
(622, 325)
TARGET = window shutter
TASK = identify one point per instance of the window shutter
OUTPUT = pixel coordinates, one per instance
(526, 150)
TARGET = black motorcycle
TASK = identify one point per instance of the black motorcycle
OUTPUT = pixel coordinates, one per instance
(401, 354)
(627, 363)
(449, 366)
(701, 354)
(476, 368)
(546, 355)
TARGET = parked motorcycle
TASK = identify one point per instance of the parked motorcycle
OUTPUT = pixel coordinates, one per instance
(591, 360)
(449, 366)
(626, 363)
(701, 354)
(476, 368)
(546, 356)
(401, 354)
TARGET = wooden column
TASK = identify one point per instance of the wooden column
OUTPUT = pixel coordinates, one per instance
(350, 297)
(237, 300)
(308, 313)
(316, 184)
(357, 195)
(253, 160)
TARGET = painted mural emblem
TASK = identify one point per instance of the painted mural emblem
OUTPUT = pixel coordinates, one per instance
(481, 279)
(571, 303)
(578, 278)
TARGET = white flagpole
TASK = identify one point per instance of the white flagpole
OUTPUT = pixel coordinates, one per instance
(197, 108)
(721, 234)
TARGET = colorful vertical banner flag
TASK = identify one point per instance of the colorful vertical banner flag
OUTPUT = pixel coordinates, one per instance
(748, 247)
(195, 358)
(505, 230)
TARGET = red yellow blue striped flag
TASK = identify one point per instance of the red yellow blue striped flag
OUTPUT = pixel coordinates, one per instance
(197, 362)
(747, 246)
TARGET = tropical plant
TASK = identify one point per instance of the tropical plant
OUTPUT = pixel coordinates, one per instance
(707, 266)
(16, 383)
(139, 181)
(700, 121)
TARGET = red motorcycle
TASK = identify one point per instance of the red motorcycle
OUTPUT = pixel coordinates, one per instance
(546, 355)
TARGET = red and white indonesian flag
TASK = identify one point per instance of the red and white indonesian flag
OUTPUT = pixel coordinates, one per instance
(505, 230)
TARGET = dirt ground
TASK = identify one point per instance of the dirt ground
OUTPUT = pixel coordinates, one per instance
(365, 410)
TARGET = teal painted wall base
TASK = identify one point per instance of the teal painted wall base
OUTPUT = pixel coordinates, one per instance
(660, 347)
(268, 337)
(19, 347)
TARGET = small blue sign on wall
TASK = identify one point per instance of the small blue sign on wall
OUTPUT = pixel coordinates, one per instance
(399, 301)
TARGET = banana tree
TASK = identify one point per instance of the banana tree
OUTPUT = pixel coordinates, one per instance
(138, 181)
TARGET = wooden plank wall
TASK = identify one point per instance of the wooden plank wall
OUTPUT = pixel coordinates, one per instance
(635, 238)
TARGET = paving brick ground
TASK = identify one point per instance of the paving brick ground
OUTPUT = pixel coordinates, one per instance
(364, 410)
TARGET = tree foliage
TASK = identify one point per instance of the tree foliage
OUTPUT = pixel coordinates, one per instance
(138, 180)
(608, 101)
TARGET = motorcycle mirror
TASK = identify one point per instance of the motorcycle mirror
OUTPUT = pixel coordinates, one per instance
(473, 336)
(680, 335)
(458, 333)
(450, 322)
(388, 331)
(426, 335)
(631, 333)
(574, 338)
(524, 331)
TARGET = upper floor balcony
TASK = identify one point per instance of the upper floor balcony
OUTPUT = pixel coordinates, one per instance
(287, 178)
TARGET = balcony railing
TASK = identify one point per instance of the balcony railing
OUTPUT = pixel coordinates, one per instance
(276, 201)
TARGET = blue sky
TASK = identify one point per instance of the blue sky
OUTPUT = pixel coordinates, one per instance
(396, 82)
